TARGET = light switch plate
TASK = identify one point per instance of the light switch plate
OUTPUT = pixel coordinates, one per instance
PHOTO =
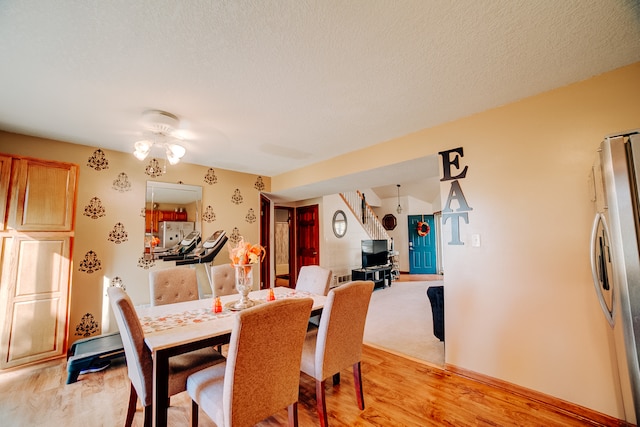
(475, 240)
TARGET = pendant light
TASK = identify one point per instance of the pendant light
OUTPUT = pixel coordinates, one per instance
(399, 208)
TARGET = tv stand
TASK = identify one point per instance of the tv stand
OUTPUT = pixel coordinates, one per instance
(380, 275)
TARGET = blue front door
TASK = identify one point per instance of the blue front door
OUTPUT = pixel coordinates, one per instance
(422, 249)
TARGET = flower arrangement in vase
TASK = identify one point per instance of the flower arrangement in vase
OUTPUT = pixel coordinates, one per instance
(243, 257)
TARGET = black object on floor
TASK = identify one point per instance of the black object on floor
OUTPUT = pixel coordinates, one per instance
(436, 297)
(93, 354)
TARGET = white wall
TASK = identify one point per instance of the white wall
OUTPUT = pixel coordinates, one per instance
(341, 255)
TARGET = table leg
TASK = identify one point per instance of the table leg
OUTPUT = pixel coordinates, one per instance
(160, 388)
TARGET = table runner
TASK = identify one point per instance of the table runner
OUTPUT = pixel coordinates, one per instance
(152, 324)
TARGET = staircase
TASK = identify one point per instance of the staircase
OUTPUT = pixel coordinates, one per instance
(372, 225)
(368, 219)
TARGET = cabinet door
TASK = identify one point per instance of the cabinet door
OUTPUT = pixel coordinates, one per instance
(151, 221)
(35, 280)
(5, 175)
(43, 196)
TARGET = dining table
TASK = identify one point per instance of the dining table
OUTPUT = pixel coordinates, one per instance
(179, 328)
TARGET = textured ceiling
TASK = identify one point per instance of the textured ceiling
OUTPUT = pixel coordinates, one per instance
(265, 87)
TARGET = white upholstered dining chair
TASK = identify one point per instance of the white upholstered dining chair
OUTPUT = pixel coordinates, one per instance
(171, 285)
(337, 343)
(139, 359)
(262, 372)
(313, 279)
(223, 280)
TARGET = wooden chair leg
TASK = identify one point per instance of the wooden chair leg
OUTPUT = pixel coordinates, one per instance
(131, 409)
(336, 379)
(148, 416)
(293, 415)
(357, 380)
(321, 405)
(194, 414)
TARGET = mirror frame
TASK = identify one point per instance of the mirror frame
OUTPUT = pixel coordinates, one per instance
(339, 230)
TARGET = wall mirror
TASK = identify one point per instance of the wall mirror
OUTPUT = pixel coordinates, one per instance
(339, 224)
(172, 211)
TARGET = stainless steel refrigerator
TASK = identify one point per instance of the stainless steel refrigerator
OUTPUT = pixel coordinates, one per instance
(615, 259)
(172, 232)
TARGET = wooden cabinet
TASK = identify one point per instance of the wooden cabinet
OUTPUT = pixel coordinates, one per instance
(153, 217)
(40, 196)
(35, 258)
(5, 175)
(150, 221)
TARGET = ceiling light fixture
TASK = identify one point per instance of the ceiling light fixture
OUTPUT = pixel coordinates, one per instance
(399, 208)
(160, 127)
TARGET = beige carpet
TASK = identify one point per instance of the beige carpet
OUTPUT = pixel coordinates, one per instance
(400, 321)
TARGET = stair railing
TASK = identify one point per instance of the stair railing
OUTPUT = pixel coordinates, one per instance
(367, 218)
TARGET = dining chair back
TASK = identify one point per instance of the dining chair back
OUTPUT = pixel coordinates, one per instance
(140, 362)
(223, 280)
(337, 343)
(314, 279)
(261, 375)
(174, 284)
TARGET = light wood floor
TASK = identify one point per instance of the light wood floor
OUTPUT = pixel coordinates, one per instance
(398, 392)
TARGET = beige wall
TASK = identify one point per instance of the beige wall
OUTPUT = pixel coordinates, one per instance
(89, 311)
(521, 307)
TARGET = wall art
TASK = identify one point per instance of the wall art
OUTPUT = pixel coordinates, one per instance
(237, 197)
(118, 234)
(94, 209)
(90, 263)
(210, 178)
(98, 160)
(209, 215)
(87, 326)
(122, 183)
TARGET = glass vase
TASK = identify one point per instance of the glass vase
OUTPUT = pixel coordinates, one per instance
(244, 285)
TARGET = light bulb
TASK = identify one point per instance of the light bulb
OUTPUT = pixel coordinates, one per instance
(142, 149)
(176, 150)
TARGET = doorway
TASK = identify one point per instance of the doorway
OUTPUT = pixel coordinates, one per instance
(422, 244)
(283, 237)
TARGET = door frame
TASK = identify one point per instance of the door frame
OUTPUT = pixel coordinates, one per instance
(265, 233)
(291, 214)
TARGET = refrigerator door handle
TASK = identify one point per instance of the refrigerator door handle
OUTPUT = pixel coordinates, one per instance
(609, 314)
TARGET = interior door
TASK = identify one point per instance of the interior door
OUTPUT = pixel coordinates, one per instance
(36, 271)
(36, 261)
(307, 236)
(422, 249)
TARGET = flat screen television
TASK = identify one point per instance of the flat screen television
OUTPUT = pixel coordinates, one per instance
(374, 253)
